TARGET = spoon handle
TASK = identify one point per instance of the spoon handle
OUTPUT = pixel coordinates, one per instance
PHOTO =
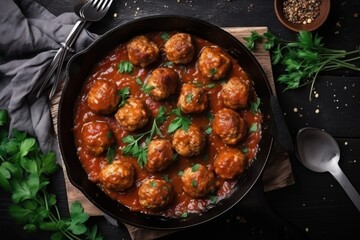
(347, 186)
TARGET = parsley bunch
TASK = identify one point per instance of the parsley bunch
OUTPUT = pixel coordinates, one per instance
(304, 58)
(24, 172)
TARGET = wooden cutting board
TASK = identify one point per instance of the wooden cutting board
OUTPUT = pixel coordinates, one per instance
(277, 173)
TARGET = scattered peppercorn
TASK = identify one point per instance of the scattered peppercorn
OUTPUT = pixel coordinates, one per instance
(301, 11)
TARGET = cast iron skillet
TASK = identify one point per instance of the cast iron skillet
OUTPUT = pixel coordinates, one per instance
(78, 69)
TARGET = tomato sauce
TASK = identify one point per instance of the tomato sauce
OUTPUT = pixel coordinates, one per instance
(107, 69)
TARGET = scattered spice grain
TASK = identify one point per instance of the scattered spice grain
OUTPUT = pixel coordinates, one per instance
(301, 11)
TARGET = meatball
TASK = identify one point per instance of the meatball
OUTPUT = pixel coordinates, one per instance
(235, 93)
(155, 194)
(117, 176)
(189, 143)
(229, 125)
(97, 137)
(164, 82)
(179, 48)
(132, 115)
(103, 97)
(198, 181)
(159, 155)
(213, 63)
(192, 99)
(142, 51)
(230, 163)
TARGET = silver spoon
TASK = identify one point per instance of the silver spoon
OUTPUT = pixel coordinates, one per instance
(318, 151)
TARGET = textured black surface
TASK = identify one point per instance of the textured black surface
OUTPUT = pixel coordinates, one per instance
(315, 204)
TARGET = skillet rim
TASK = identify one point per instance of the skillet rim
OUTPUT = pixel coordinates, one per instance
(138, 219)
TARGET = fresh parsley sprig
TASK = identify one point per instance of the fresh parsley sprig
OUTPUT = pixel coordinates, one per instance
(136, 147)
(304, 58)
(143, 86)
(180, 121)
(124, 93)
(24, 172)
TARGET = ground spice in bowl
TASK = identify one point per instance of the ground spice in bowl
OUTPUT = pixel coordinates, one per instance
(301, 11)
(300, 15)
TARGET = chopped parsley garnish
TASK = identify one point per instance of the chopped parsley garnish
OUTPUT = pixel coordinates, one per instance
(165, 36)
(244, 150)
(194, 183)
(184, 215)
(195, 167)
(168, 64)
(110, 154)
(188, 97)
(166, 178)
(125, 67)
(208, 130)
(254, 106)
(152, 183)
(253, 127)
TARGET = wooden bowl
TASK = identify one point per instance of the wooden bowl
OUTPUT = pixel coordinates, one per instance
(313, 25)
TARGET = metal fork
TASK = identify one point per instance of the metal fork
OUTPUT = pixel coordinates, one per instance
(92, 10)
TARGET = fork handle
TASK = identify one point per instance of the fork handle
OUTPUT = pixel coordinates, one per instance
(66, 46)
(60, 56)
(75, 31)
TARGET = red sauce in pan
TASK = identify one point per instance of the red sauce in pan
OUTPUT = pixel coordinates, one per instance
(107, 68)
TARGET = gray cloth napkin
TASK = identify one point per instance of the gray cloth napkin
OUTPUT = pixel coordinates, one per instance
(30, 37)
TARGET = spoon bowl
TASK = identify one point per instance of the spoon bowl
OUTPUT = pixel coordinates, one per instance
(318, 151)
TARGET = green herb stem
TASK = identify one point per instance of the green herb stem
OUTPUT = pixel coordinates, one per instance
(304, 58)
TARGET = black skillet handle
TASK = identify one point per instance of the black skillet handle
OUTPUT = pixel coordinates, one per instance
(278, 128)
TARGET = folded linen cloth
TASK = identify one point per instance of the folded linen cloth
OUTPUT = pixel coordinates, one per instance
(30, 37)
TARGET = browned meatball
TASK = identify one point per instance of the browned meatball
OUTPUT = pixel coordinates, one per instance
(235, 93)
(213, 63)
(179, 48)
(97, 137)
(117, 176)
(229, 125)
(103, 97)
(192, 99)
(230, 163)
(198, 181)
(164, 82)
(132, 115)
(142, 51)
(155, 194)
(159, 155)
(189, 143)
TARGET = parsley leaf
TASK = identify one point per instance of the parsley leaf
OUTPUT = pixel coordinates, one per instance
(3, 117)
(179, 121)
(124, 93)
(165, 36)
(144, 87)
(125, 67)
(253, 127)
(254, 106)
